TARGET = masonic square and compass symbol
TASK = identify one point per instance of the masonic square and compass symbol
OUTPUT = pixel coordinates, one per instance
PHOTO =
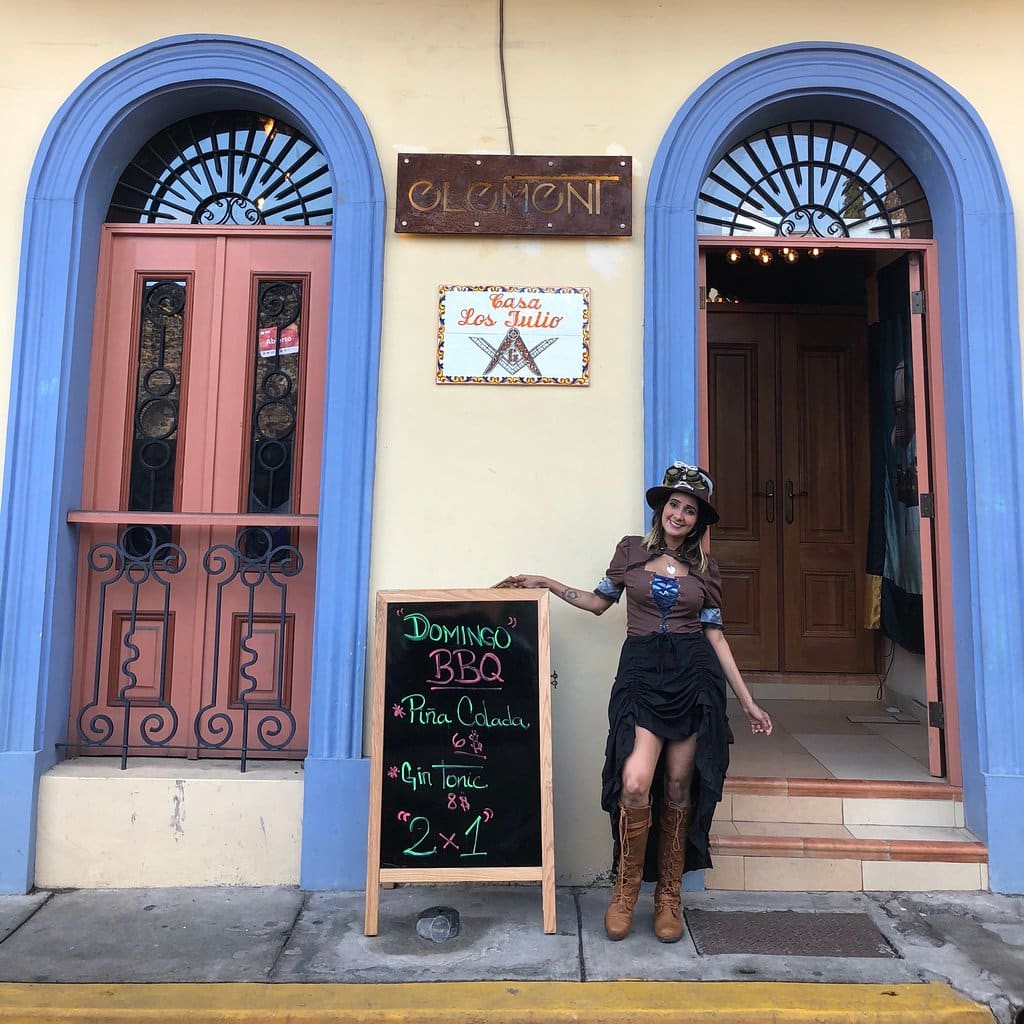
(513, 353)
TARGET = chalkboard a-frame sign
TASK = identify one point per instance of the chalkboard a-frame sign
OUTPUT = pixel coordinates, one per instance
(460, 783)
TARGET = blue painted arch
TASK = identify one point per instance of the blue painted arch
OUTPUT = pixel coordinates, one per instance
(945, 143)
(89, 141)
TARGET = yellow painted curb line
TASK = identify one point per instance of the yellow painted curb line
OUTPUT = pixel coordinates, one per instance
(627, 1002)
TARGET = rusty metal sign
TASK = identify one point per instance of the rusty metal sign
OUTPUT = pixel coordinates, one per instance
(454, 193)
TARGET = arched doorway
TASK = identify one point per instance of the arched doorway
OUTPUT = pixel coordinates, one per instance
(91, 138)
(202, 465)
(939, 135)
(814, 341)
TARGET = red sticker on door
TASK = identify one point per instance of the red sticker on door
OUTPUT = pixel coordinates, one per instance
(272, 342)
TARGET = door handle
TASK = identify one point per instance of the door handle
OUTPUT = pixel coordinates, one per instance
(790, 495)
(769, 500)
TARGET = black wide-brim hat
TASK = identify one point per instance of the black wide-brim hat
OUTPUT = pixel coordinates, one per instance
(686, 479)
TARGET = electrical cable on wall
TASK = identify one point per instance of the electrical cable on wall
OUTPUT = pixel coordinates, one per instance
(504, 83)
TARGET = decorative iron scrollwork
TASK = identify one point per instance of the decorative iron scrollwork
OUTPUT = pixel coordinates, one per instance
(275, 402)
(815, 221)
(139, 559)
(813, 179)
(254, 561)
(246, 705)
(221, 209)
(157, 399)
(229, 167)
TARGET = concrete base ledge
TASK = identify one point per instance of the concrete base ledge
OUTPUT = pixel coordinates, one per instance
(495, 1002)
(167, 822)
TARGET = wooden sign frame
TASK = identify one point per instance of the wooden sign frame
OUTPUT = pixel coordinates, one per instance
(543, 872)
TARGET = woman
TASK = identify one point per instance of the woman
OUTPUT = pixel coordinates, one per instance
(668, 737)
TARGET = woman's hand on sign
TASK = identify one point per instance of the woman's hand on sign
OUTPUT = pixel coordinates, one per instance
(524, 581)
(587, 600)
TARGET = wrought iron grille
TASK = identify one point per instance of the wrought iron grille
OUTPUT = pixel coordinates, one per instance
(813, 179)
(157, 401)
(271, 566)
(231, 167)
(274, 404)
(245, 708)
(146, 563)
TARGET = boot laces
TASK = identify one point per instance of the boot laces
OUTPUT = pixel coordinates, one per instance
(668, 901)
(625, 846)
(619, 896)
(667, 894)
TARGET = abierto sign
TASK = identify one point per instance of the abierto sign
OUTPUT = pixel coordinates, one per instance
(497, 334)
(447, 193)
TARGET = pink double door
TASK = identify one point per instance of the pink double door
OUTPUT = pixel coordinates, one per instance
(200, 492)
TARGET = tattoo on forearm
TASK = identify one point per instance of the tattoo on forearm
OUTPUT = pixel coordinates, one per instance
(570, 595)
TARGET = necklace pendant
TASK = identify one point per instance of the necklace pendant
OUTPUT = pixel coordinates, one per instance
(671, 569)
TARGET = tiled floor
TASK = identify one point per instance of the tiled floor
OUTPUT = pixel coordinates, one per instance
(815, 739)
(822, 802)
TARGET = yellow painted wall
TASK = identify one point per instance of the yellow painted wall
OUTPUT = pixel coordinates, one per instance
(475, 483)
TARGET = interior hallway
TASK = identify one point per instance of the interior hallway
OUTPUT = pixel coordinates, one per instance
(834, 740)
(831, 739)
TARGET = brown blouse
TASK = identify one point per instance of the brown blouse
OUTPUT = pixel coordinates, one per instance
(697, 605)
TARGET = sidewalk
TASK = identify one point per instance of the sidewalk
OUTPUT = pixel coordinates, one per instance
(166, 954)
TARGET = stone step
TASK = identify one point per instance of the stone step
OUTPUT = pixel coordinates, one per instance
(842, 802)
(822, 686)
(832, 835)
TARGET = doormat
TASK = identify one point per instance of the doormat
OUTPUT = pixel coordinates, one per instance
(786, 933)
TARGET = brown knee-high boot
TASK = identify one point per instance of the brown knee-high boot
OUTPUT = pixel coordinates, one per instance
(673, 825)
(634, 824)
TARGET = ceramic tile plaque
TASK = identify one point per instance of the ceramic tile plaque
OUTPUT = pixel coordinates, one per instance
(499, 334)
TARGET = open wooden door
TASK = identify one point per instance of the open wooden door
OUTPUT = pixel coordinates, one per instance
(911, 514)
(932, 675)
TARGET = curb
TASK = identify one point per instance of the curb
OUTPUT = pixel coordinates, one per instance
(629, 1002)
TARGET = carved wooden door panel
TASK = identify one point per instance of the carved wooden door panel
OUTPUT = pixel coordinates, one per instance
(200, 493)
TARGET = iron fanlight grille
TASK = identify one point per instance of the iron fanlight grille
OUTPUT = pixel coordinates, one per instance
(231, 167)
(813, 179)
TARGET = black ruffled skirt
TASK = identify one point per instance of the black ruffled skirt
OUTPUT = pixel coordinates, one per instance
(672, 685)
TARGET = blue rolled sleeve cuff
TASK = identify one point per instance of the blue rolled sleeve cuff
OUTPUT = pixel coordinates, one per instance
(608, 590)
(712, 617)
